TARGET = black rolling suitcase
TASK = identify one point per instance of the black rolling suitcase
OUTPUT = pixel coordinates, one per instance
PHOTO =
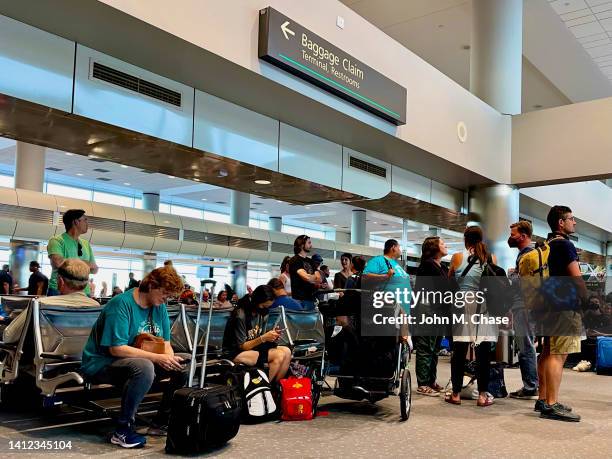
(204, 417)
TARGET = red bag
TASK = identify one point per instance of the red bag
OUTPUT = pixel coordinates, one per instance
(296, 403)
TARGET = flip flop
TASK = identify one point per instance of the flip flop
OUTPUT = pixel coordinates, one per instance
(449, 399)
(437, 387)
(487, 402)
(428, 391)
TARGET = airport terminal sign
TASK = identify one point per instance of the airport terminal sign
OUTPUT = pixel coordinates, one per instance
(286, 44)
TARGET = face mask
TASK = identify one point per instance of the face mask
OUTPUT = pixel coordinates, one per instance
(512, 242)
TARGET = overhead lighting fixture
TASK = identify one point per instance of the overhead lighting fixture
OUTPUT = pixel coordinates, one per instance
(126, 183)
(171, 176)
(204, 199)
(263, 182)
(278, 201)
(306, 207)
(80, 175)
(124, 166)
(196, 179)
(265, 211)
(69, 154)
(376, 223)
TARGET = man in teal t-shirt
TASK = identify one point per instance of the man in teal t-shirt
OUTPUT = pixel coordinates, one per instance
(383, 272)
(70, 245)
(110, 358)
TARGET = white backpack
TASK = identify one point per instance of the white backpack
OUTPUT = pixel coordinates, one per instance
(259, 403)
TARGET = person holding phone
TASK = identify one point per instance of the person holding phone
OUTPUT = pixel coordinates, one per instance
(244, 336)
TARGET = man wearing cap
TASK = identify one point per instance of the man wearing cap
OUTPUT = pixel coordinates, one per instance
(38, 282)
(70, 245)
(72, 277)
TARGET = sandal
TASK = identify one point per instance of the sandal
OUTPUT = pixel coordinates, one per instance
(437, 387)
(488, 402)
(449, 399)
(428, 391)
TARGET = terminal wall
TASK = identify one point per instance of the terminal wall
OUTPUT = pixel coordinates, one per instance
(562, 144)
(435, 103)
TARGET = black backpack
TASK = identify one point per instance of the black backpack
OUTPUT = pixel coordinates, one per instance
(496, 286)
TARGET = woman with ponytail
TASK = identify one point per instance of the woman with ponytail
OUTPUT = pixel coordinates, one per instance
(467, 267)
(244, 337)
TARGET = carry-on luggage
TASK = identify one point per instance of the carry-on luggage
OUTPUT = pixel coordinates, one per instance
(253, 385)
(296, 399)
(204, 417)
(604, 355)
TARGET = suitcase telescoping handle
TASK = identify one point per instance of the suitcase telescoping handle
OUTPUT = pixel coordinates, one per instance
(203, 284)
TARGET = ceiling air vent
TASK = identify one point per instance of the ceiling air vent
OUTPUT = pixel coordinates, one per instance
(54, 169)
(367, 167)
(132, 83)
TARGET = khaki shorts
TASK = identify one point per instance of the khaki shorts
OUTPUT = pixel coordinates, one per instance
(564, 344)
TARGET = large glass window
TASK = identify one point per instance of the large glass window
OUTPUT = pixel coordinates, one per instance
(186, 211)
(7, 181)
(216, 216)
(68, 191)
(111, 198)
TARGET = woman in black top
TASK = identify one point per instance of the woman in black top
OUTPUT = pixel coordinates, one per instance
(431, 276)
(342, 276)
(244, 337)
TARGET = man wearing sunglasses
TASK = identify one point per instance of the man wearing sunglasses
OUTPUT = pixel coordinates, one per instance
(70, 245)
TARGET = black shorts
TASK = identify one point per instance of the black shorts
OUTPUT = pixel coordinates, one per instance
(263, 350)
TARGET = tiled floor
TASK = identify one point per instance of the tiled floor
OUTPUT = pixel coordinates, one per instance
(357, 429)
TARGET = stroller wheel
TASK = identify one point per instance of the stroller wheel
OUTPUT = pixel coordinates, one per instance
(405, 394)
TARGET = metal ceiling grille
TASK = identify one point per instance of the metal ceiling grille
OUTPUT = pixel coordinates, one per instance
(106, 224)
(26, 213)
(368, 167)
(167, 233)
(217, 239)
(194, 236)
(133, 83)
(243, 243)
(279, 247)
(140, 229)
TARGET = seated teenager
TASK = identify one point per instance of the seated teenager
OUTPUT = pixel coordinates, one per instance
(110, 358)
(72, 278)
(244, 337)
(281, 298)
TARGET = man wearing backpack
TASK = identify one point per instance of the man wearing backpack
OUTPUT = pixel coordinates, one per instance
(562, 262)
(520, 238)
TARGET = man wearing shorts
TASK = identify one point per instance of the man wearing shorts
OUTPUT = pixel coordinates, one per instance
(563, 262)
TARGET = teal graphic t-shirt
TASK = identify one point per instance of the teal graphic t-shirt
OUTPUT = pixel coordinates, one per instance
(121, 320)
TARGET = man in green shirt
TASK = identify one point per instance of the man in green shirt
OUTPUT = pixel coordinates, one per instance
(70, 245)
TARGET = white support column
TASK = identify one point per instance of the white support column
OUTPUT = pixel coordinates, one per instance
(30, 167)
(496, 53)
(358, 227)
(495, 208)
(150, 201)
(29, 175)
(239, 215)
(275, 224)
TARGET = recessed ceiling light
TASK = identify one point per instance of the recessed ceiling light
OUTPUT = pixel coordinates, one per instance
(265, 211)
(69, 154)
(80, 175)
(376, 223)
(196, 179)
(124, 166)
(263, 182)
(336, 225)
(278, 201)
(126, 183)
(306, 207)
(171, 176)
(204, 199)
(314, 221)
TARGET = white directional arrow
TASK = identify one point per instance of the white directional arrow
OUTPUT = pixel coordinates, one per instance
(286, 30)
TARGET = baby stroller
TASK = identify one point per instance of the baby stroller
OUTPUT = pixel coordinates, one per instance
(364, 367)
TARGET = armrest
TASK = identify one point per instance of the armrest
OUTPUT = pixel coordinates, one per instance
(300, 342)
(7, 346)
(62, 357)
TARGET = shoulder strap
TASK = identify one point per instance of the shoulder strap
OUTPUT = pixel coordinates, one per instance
(471, 262)
(387, 262)
(151, 328)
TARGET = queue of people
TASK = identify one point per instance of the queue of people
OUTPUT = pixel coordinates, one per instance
(110, 355)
